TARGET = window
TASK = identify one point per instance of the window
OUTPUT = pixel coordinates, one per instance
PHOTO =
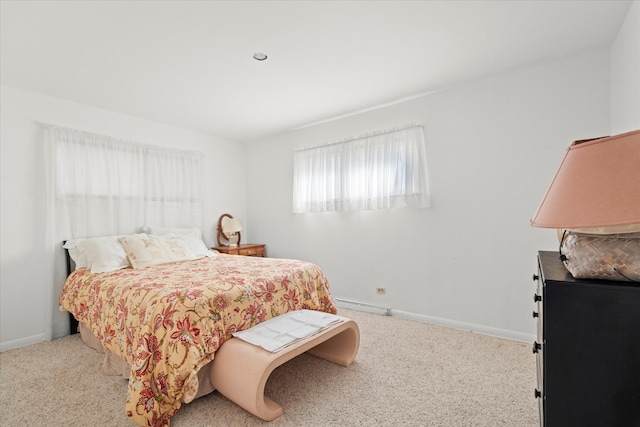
(104, 185)
(382, 170)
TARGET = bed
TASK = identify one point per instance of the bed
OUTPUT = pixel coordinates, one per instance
(163, 305)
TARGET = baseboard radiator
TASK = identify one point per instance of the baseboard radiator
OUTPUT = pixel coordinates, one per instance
(386, 311)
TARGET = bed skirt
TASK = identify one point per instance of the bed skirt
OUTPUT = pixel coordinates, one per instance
(112, 364)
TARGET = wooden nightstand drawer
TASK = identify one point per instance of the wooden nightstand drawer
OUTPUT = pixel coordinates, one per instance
(251, 252)
(246, 250)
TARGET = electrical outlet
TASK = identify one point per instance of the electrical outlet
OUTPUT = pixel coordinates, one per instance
(382, 291)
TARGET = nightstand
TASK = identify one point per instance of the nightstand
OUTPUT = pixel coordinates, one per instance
(248, 249)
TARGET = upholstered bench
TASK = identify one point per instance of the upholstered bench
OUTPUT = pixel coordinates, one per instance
(240, 370)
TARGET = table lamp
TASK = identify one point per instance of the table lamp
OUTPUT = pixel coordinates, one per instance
(596, 186)
(595, 199)
(231, 228)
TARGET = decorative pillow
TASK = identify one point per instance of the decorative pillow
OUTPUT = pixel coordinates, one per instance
(144, 250)
(100, 254)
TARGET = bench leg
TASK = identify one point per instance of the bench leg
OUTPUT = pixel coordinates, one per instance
(340, 349)
(240, 370)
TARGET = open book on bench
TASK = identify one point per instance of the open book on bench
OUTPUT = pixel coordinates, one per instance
(277, 333)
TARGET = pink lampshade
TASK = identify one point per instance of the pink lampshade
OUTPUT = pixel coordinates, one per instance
(597, 185)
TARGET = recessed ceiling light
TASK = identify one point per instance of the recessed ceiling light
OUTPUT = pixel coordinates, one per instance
(259, 56)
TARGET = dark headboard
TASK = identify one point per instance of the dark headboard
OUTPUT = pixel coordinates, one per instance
(70, 264)
(73, 323)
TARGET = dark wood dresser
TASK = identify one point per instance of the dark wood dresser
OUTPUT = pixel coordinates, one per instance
(587, 348)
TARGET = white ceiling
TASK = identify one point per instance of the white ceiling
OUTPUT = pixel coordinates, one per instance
(190, 63)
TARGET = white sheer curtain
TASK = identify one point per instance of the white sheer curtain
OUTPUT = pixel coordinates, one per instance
(101, 185)
(386, 169)
(98, 185)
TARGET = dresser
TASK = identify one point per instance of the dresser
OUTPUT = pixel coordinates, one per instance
(249, 249)
(587, 348)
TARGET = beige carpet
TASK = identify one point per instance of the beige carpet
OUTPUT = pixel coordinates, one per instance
(406, 374)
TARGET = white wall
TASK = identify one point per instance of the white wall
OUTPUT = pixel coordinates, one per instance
(493, 147)
(28, 290)
(625, 74)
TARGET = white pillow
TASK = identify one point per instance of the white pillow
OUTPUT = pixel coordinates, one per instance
(78, 257)
(101, 254)
(192, 235)
(180, 231)
(144, 250)
(196, 245)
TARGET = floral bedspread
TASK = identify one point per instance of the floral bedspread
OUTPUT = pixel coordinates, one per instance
(167, 321)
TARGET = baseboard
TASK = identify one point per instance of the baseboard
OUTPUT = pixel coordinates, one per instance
(22, 342)
(480, 329)
(358, 306)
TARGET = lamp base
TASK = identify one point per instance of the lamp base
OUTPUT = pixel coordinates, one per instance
(607, 257)
(233, 240)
